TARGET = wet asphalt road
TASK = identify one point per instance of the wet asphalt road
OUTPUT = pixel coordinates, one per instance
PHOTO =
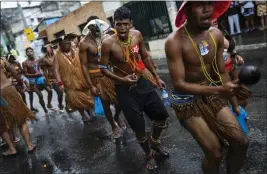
(66, 145)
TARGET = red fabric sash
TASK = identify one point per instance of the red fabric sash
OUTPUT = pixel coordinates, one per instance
(229, 65)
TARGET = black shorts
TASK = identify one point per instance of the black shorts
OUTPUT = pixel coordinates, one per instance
(136, 100)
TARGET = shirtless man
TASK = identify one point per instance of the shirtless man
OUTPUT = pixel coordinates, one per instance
(100, 85)
(16, 65)
(32, 72)
(197, 69)
(46, 64)
(134, 93)
(13, 111)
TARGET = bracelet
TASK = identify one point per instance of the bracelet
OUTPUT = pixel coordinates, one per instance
(60, 83)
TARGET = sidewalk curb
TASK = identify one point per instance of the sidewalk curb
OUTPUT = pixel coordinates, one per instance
(250, 46)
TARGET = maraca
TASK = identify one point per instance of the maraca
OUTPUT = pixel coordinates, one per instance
(249, 75)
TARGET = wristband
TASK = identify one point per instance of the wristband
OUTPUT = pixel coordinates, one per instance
(103, 66)
(60, 83)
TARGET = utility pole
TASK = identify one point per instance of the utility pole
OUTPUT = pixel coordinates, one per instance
(22, 15)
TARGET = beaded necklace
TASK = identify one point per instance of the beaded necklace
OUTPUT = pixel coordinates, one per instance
(203, 66)
(129, 57)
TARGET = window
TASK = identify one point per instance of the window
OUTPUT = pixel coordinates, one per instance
(110, 19)
(151, 18)
(59, 34)
(50, 6)
(178, 4)
(39, 19)
(81, 27)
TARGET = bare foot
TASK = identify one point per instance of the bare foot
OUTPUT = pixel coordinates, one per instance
(31, 148)
(122, 124)
(51, 107)
(46, 114)
(34, 110)
(61, 109)
(10, 152)
(151, 163)
(156, 146)
(117, 132)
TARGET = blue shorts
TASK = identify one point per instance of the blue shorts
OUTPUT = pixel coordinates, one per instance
(36, 80)
(248, 12)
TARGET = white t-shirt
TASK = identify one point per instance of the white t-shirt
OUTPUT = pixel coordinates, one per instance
(249, 4)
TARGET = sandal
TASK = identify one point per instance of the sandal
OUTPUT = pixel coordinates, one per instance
(16, 140)
(51, 108)
(156, 145)
(34, 110)
(151, 163)
(61, 111)
(33, 149)
(7, 154)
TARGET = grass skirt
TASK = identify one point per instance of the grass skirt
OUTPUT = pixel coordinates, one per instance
(106, 84)
(15, 112)
(79, 99)
(206, 107)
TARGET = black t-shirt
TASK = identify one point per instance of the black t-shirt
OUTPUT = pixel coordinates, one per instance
(232, 10)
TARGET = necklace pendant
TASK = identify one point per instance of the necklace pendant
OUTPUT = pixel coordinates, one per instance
(204, 48)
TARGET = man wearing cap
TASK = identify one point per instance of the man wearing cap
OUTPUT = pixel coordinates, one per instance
(200, 80)
(33, 72)
(70, 78)
(100, 85)
(46, 64)
(135, 94)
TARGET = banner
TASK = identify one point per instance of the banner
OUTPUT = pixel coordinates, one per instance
(29, 34)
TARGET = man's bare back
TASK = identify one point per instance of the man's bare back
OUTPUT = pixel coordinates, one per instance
(192, 66)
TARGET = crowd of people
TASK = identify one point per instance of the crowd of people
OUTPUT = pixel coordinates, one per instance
(113, 64)
(247, 9)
